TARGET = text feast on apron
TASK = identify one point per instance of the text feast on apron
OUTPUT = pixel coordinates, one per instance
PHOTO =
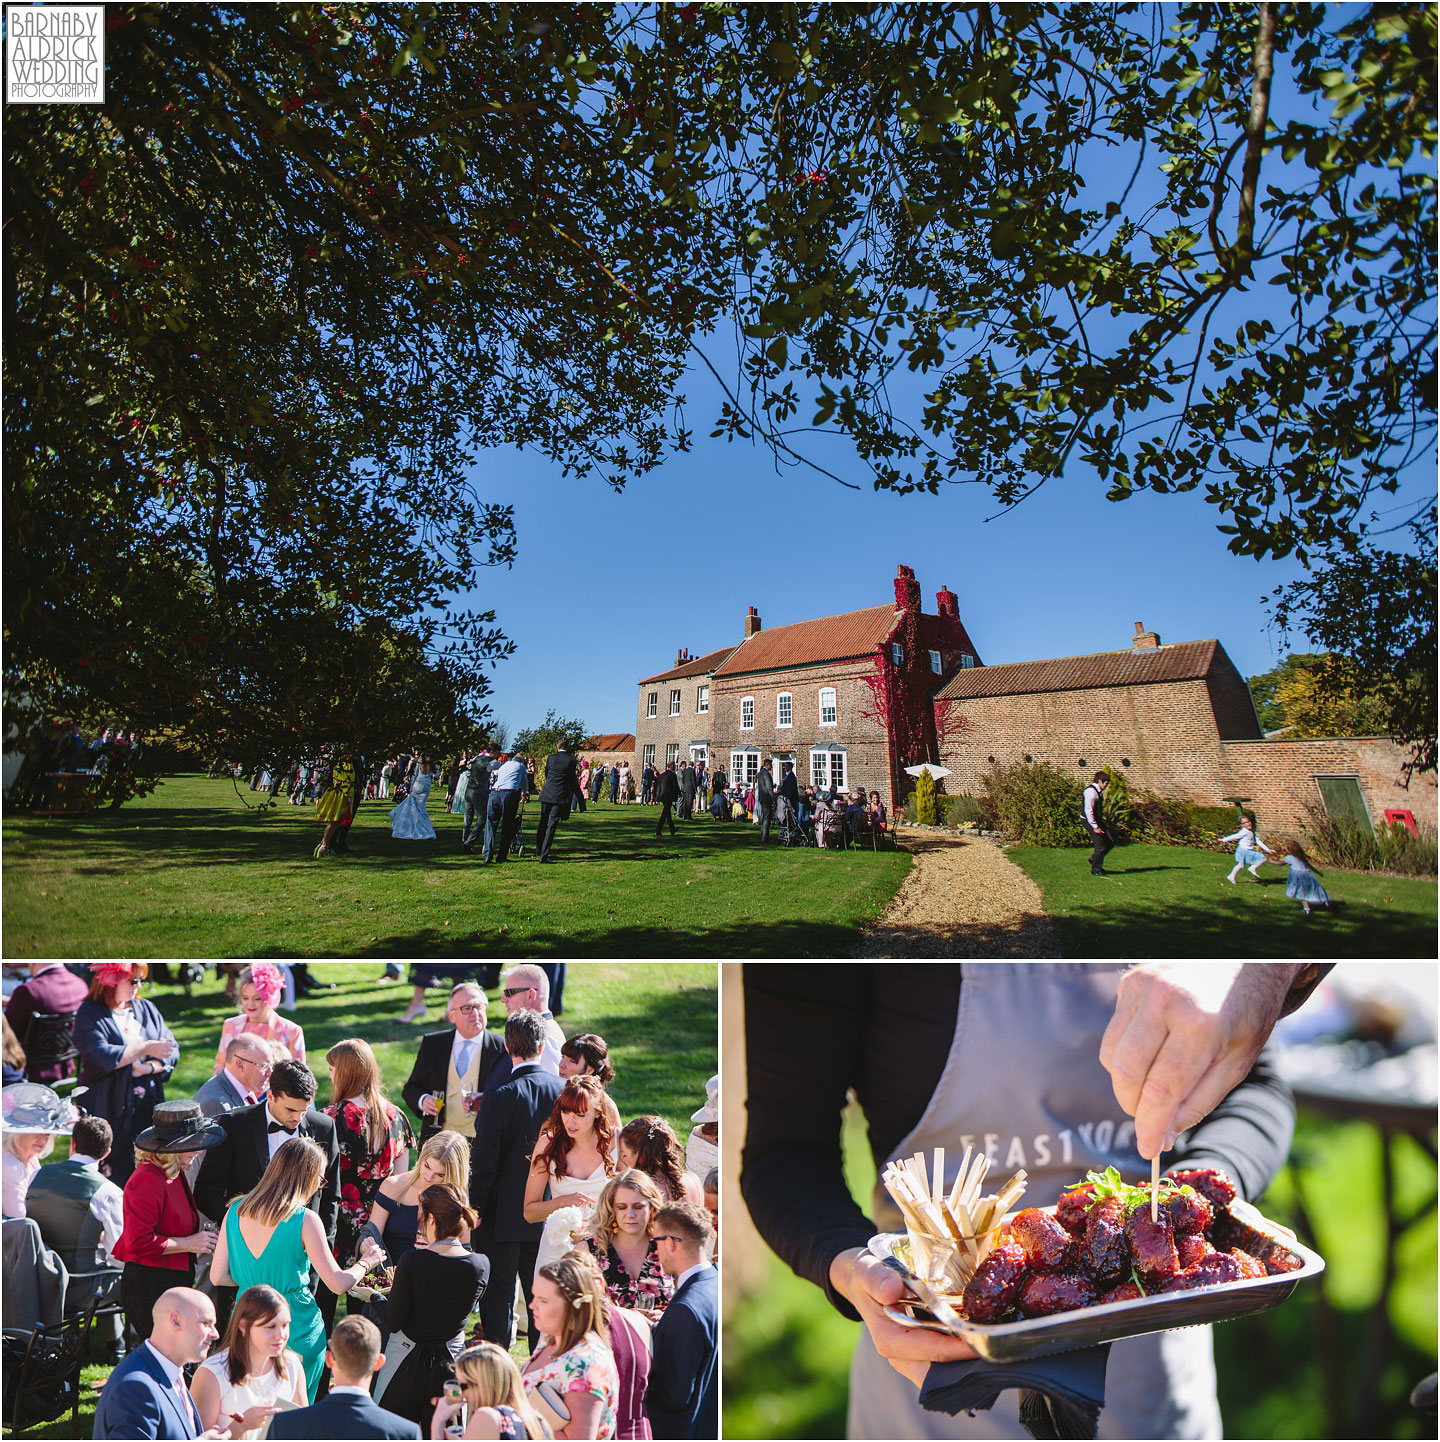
(1023, 1083)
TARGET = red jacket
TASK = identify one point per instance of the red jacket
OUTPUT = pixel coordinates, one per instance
(155, 1208)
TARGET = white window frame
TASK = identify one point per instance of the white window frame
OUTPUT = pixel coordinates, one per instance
(897, 653)
(828, 767)
(834, 706)
(672, 752)
(675, 701)
(936, 665)
(702, 700)
(652, 705)
(647, 757)
(747, 709)
(966, 660)
(699, 755)
(784, 711)
(744, 768)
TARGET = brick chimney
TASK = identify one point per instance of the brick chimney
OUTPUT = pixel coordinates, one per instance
(683, 655)
(947, 603)
(752, 622)
(1144, 640)
(907, 590)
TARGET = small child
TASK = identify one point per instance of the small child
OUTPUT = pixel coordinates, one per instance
(1249, 848)
(1302, 886)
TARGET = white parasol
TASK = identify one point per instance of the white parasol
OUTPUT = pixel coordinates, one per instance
(936, 771)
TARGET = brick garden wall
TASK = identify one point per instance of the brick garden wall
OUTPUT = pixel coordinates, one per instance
(867, 754)
(1279, 777)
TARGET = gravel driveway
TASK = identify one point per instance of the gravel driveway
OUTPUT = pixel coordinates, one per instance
(961, 898)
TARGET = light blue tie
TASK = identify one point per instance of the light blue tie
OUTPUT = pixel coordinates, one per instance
(462, 1061)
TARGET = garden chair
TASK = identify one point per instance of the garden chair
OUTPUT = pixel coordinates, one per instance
(42, 1372)
(47, 1043)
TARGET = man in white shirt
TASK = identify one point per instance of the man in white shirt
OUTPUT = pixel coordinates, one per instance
(241, 1081)
(1094, 803)
(527, 988)
(502, 810)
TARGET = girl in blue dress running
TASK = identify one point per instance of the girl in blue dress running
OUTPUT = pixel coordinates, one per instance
(1302, 886)
(1249, 849)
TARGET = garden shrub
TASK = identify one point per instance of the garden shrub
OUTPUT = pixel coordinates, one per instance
(1036, 803)
(962, 809)
(1166, 821)
(1342, 842)
(926, 813)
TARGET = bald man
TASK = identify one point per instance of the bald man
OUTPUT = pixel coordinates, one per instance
(146, 1395)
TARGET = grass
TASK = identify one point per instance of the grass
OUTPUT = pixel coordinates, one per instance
(191, 872)
(659, 1019)
(1174, 901)
(787, 1351)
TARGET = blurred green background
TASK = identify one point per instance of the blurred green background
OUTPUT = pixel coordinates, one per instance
(1305, 1369)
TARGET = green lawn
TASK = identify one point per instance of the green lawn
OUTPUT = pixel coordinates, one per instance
(1175, 901)
(659, 1019)
(190, 871)
(787, 1351)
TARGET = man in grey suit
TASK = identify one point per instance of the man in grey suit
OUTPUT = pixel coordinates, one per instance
(477, 798)
(240, 1082)
(687, 792)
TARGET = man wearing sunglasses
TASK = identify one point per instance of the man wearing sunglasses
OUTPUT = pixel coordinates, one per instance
(454, 1064)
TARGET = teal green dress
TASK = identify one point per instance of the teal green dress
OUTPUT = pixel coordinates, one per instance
(282, 1264)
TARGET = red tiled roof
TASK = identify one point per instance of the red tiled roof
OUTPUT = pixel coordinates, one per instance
(700, 666)
(612, 741)
(828, 638)
(1184, 661)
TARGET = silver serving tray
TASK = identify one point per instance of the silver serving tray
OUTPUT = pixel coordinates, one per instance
(1014, 1341)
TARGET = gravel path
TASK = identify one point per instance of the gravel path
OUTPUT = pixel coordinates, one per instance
(961, 898)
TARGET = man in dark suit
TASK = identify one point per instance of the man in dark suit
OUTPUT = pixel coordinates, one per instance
(681, 1399)
(687, 792)
(52, 990)
(146, 1395)
(453, 1062)
(353, 1357)
(505, 1136)
(667, 793)
(253, 1134)
(555, 797)
(241, 1081)
(477, 798)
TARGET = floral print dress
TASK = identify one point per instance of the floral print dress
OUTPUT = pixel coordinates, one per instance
(649, 1292)
(363, 1169)
(587, 1367)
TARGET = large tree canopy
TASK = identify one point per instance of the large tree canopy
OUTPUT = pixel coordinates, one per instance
(267, 300)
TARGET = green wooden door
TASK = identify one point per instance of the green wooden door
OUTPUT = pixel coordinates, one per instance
(1342, 797)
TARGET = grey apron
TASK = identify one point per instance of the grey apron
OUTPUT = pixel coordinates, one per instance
(1023, 1083)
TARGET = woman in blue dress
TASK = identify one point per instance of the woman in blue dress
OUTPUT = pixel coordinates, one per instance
(126, 1056)
(409, 821)
(1302, 885)
(271, 1238)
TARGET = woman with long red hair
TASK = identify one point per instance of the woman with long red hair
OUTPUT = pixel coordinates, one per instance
(574, 1157)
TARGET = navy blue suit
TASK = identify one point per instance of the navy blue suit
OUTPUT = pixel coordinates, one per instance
(506, 1131)
(681, 1399)
(138, 1401)
(348, 1415)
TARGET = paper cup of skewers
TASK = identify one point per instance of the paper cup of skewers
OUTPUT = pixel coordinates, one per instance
(375, 1283)
(1108, 1260)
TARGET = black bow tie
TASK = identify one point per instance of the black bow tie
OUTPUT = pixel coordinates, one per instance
(276, 1127)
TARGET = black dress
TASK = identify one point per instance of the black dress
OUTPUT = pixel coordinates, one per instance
(430, 1301)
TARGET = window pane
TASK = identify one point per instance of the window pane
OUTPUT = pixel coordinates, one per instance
(650, 703)
(897, 653)
(650, 755)
(935, 662)
(747, 714)
(819, 764)
(703, 703)
(837, 769)
(967, 661)
(782, 709)
(827, 706)
(672, 752)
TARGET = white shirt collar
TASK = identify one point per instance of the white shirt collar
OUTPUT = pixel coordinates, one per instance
(242, 1090)
(358, 1391)
(271, 1117)
(85, 1161)
(172, 1372)
(688, 1273)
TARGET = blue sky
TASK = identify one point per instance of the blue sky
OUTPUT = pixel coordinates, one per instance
(607, 586)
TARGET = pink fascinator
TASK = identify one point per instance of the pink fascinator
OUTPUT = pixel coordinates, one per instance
(268, 982)
(112, 973)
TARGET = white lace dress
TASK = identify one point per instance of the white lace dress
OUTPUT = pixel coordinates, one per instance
(409, 820)
(253, 1392)
(556, 1239)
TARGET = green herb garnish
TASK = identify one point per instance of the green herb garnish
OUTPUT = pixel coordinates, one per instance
(1109, 1184)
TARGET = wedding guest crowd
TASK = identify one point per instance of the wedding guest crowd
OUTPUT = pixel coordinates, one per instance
(244, 1214)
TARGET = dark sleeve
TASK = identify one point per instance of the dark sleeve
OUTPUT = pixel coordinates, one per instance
(18, 1011)
(329, 1203)
(677, 1364)
(1305, 984)
(485, 1150)
(99, 1055)
(418, 1084)
(1248, 1134)
(212, 1183)
(791, 1172)
(482, 1277)
(491, 1050)
(394, 1312)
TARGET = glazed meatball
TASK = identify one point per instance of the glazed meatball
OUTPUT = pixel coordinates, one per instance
(1209, 1271)
(990, 1295)
(1249, 1266)
(1210, 1182)
(1125, 1292)
(1189, 1214)
(1152, 1244)
(1278, 1261)
(1048, 1246)
(1074, 1206)
(1049, 1292)
(1104, 1252)
(1190, 1249)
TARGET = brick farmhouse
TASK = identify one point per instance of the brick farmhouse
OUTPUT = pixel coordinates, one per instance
(853, 699)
